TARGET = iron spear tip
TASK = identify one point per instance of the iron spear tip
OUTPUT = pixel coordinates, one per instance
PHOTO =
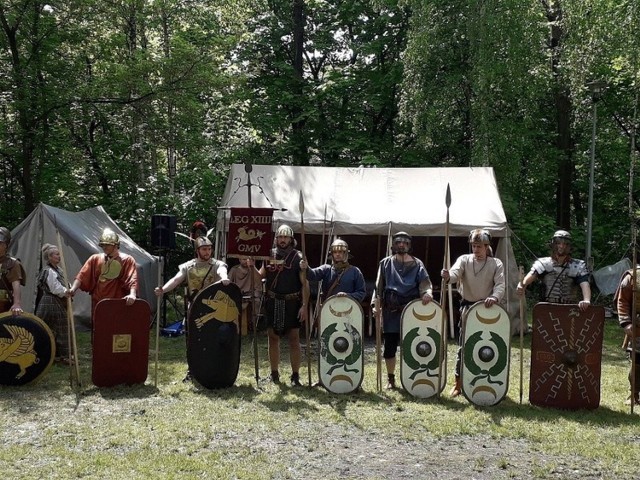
(448, 196)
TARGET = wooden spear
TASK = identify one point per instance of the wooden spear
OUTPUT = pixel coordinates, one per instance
(442, 352)
(522, 324)
(158, 308)
(71, 328)
(304, 279)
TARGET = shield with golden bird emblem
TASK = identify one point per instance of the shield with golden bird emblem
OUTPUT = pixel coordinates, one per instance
(27, 348)
(213, 335)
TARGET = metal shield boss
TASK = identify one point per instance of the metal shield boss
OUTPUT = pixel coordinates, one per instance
(213, 335)
(486, 354)
(421, 342)
(566, 354)
(120, 342)
(27, 348)
(341, 356)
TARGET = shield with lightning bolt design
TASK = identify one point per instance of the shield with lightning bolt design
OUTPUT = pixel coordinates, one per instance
(213, 335)
(27, 348)
(421, 342)
(485, 354)
(341, 356)
(566, 354)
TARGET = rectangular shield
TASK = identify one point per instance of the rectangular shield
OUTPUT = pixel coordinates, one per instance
(566, 354)
(120, 342)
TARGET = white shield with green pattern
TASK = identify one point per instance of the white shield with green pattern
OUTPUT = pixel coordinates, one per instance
(485, 354)
(341, 355)
(422, 367)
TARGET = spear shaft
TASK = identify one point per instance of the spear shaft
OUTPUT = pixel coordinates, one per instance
(442, 352)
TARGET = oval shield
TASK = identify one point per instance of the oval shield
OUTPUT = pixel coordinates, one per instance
(27, 348)
(213, 335)
(421, 341)
(341, 356)
(566, 354)
(486, 354)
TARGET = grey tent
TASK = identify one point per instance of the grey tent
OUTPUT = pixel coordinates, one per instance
(79, 233)
(372, 202)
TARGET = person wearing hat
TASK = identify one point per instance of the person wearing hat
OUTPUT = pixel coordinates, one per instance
(401, 279)
(12, 276)
(562, 276)
(480, 278)
(111, 274)
(286, 302)
(339, 278)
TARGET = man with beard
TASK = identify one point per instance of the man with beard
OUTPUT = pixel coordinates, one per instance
(340, 278)
(286, 302)
(561, 274)
(199, 272)
(111, 274)
(401, 278)
(12, 276)
(480, 277)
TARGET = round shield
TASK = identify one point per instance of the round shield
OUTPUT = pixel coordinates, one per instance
(423, 361)
(27, 348)
(485, 354)
(341, 356)
(213, 335)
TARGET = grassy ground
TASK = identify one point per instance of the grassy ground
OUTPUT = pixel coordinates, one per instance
(181, 431)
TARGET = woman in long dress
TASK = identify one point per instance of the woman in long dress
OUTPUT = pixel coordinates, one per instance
(51, 304)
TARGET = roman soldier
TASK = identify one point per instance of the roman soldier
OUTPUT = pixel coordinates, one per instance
(12, 276)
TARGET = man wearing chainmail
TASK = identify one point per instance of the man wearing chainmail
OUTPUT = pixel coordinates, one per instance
(480, 277)
(286, 305)
(12, 276)
(401, 279)
(562, 275)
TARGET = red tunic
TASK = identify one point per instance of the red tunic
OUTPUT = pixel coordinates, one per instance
(108, 278)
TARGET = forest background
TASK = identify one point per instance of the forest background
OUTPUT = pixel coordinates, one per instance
(142, 105)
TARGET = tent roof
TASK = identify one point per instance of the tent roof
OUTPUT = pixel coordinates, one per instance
(79, 234)
(363, 201)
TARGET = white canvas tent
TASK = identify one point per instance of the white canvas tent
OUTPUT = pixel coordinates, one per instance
(374, 201)
(80, 233)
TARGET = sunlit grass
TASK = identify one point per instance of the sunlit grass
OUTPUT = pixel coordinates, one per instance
(180, 431)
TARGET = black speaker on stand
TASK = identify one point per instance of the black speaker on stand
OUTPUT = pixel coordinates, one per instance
(163, 231)
(163, 238)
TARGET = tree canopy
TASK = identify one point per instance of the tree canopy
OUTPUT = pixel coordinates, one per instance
(140, 106)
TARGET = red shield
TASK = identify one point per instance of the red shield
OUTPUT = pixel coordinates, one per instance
(566, 352)
(120, 342)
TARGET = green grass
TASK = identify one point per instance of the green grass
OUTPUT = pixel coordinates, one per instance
(181, 431)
